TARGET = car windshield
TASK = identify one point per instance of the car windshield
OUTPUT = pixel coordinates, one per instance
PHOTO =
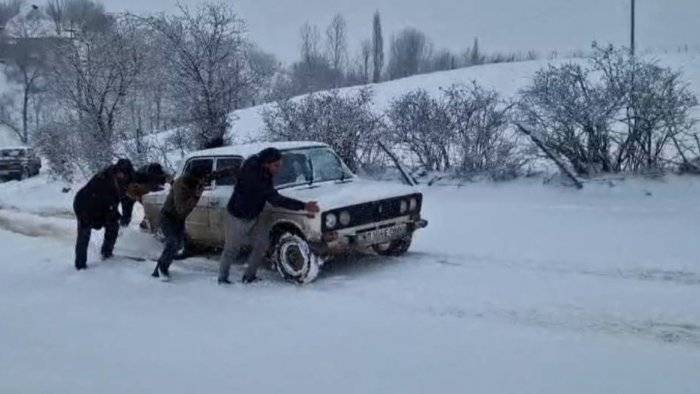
(300, 166)
(12, 153)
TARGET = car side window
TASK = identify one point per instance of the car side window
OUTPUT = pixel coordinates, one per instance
(222, 164)
(207, 164)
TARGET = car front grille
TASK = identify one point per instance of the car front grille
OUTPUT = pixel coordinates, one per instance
(372, 212)
(10, 166)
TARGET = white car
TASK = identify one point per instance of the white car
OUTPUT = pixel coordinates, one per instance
(356, 214)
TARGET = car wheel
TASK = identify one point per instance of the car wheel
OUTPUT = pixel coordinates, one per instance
(294, 260)
(394, 248)
(25, 174)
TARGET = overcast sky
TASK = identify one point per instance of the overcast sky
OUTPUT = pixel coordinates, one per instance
(501, 25)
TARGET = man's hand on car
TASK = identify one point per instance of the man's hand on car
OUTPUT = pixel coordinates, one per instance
(312, 208)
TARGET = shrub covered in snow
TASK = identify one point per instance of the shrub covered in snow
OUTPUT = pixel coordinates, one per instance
(464, 131)
(343, 120)
(614, 113)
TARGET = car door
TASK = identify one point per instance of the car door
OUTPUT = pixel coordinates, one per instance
(220, 195)
(197, 224)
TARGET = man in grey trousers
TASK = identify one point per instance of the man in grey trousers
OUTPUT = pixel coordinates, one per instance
(254, 188)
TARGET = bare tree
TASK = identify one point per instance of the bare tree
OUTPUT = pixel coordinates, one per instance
(615, 113)
(263, 67)
(475, 56)
(26, 60)
(377, 48)
(208, 66)
(657, 107)
(313, 72)
(55, 9)
(573, 114)
(8, 9)
(77, 15)
(310, 41)
(463, 132)
(344, 121)
(421, 124)
(443, 60)
(336, 44)
(93, 76)
(480, 124)
(365, 56)
(409, 49)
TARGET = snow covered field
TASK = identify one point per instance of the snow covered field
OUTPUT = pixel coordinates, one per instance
(513, 288)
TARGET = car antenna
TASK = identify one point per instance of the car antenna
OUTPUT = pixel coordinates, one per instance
(311, 167)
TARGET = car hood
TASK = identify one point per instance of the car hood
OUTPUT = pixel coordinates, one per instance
(332, 195)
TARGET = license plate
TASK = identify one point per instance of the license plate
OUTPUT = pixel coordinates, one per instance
(383, 235)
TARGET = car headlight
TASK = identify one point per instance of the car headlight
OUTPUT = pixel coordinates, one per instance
(413, 204)
(345, 218)
(331, 220)
(404, 206)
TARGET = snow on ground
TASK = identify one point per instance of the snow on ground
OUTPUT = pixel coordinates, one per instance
(515, 287)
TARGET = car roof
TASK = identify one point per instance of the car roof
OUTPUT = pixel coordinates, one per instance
(247, 150)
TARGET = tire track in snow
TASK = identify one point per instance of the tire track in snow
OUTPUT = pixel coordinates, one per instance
(36, 226)
(681, 333)
(677, 277)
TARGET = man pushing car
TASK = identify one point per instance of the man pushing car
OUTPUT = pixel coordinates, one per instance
(242, 227)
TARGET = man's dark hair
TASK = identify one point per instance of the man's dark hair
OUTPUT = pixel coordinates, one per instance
(124, 166)
(195, 174)
(269, 155)
(151, 173)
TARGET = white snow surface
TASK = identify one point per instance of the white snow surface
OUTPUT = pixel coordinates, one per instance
(512, 288)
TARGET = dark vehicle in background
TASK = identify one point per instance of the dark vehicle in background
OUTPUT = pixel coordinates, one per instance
(18, 163)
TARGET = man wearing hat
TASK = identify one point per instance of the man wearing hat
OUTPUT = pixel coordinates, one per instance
(95, 207)
(254, 188)
(180, 202)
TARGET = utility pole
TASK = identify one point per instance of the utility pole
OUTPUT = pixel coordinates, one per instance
(632, 22)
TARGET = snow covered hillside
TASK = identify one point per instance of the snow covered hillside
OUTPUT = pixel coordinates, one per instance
(513, 288)
(505, 78)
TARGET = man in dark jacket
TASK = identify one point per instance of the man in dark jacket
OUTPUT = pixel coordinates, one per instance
(254, 188)
(95, 207)
(182, 199)
(147, 179)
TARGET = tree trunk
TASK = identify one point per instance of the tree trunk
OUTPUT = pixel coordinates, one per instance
(551, 155)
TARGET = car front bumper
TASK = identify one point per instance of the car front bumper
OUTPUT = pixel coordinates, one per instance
(10, 172)
(359, 238)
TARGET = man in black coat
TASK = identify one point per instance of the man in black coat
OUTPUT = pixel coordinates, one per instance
(95, 207)
(254, 188)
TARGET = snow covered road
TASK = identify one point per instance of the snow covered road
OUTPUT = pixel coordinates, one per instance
(512, 288)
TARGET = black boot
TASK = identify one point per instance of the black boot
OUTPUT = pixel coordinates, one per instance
(163, 272)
